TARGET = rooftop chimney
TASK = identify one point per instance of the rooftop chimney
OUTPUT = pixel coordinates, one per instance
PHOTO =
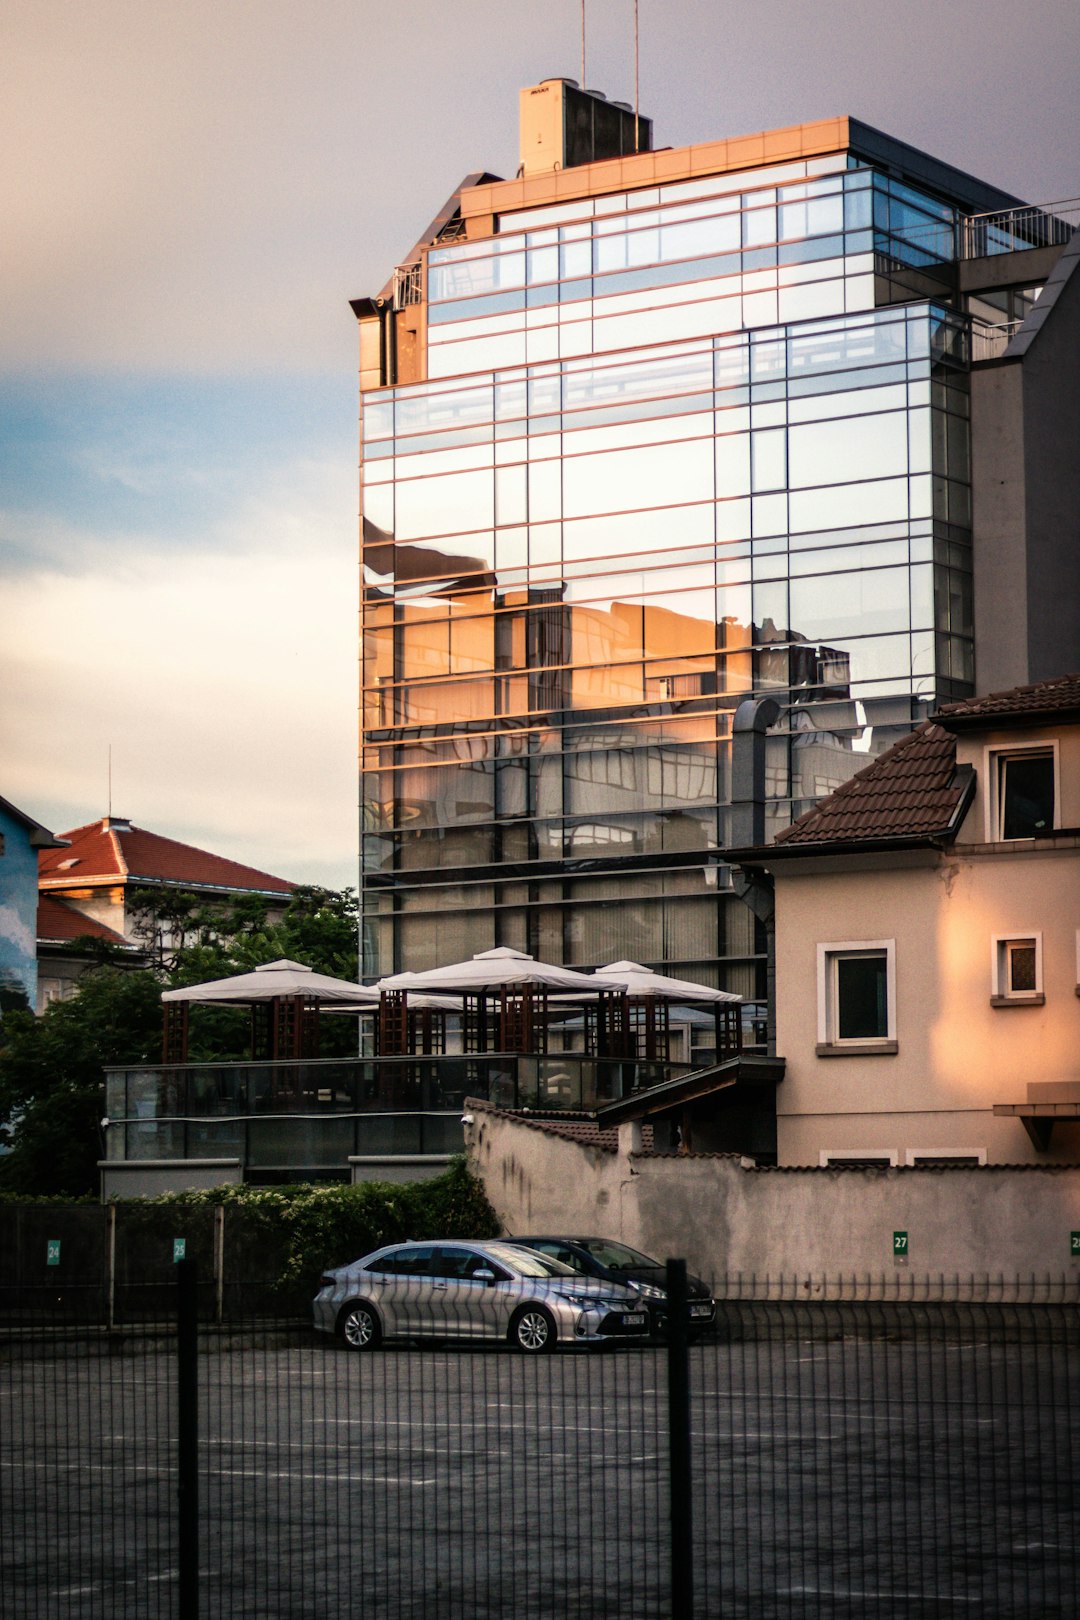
(563, 125)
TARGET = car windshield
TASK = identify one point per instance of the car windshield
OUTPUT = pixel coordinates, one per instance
(617, 1254)
(526, 1264)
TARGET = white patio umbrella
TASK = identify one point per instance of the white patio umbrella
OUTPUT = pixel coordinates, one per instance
(492, 970)
(642, 981)
(273, 981)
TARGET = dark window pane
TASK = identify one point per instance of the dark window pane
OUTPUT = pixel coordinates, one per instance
(1027, 795)
(862, 1013)
(1022, 968)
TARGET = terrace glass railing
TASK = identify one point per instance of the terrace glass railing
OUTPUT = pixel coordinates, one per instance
(324, 1110)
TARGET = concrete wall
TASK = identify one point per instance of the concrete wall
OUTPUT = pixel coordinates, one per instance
(149, 1178)
(724, 1216)
(398, 1167)
(1026, 493)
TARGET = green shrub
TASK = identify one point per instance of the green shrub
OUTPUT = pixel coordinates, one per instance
(288, 1235)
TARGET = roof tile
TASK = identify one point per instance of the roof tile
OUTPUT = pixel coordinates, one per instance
(57, 922)
(1061, 695)
(109, 848)
(910, 791)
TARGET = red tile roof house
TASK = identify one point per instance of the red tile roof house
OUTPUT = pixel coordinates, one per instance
(927, 928)
(109, 859)
(65, 948)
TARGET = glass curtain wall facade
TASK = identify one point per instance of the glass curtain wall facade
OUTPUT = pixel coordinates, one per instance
(676, 447)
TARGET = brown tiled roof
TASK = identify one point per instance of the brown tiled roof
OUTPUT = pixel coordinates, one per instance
(910, 792)
(58, 922)
(1051, 698)
(117, 850)
(585, 1131)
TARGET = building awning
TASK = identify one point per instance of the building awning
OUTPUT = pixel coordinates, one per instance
(733, 1083)
(1039, 1118)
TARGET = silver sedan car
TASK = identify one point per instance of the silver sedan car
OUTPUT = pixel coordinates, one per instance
(465, 1290)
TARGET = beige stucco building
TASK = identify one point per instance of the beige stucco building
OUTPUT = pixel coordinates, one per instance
(926, 946)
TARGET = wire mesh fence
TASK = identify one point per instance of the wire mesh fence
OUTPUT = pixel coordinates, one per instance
(848, 1456)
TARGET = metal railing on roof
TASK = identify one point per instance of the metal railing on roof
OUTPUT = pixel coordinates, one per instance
(989, 340)
(1014, 230)
(408, 284)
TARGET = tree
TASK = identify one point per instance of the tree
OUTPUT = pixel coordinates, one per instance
(52, 1095)
(52, 1068)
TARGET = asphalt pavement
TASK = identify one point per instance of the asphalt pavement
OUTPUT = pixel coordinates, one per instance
(831, 1480)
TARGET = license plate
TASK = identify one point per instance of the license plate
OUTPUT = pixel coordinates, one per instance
(633, 1319)
(701, 1310)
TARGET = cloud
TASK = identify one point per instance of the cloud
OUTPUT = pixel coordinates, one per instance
(223, 677)
(203, 186)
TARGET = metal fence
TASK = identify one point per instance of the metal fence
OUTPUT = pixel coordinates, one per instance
(910, 1452)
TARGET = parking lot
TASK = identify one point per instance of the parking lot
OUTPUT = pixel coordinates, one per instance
(831, 1478)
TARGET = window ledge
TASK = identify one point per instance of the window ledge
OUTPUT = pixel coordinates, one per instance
(1033, 999)
(857, 1049)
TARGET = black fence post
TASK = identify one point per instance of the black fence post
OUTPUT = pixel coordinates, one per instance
(682, 1568)
(187, 1368)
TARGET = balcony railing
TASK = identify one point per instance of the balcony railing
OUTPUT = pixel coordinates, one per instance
(408, 285)
(990, 340)
(321, 1111)
(1014, 230)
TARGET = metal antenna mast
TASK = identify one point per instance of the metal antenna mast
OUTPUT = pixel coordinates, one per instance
(637, 97)
(583, 44)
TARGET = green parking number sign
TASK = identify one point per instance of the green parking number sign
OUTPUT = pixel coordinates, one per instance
(1074, 1245)
(899, 1245)
(52, 1252)
(179, 1248)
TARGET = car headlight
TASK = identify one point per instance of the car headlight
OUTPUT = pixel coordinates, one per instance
(647, 1291)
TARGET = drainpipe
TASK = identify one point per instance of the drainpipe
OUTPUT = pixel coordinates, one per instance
(752, 720)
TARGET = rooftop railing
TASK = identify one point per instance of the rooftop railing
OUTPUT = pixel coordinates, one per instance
(408, 285)
(990, 340)
(1014, 230)
(403, 1104)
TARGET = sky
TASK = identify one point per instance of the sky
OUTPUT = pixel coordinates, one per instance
(191, 194)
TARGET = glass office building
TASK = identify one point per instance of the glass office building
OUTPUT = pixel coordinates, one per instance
(642, 440)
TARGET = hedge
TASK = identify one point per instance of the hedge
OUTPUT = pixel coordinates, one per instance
(288, 1235)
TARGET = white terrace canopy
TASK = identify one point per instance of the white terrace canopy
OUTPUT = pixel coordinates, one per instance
(648, 999)
(642, 981)
(273, 979)
(504, 999)
(494, 970)
(505, 1004)
(285, 999)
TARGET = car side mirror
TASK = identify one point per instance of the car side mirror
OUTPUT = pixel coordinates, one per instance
(484, 1275)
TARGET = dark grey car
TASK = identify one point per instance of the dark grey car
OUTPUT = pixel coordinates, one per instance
(607, 1261)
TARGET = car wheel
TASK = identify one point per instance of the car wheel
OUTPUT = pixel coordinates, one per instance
(359, 1327)
(533, 1330)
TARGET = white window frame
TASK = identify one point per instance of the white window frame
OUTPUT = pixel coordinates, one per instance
(885, 1158)
(1001, 995)
(829, 1043)
(993, 757)
(918, 1156)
